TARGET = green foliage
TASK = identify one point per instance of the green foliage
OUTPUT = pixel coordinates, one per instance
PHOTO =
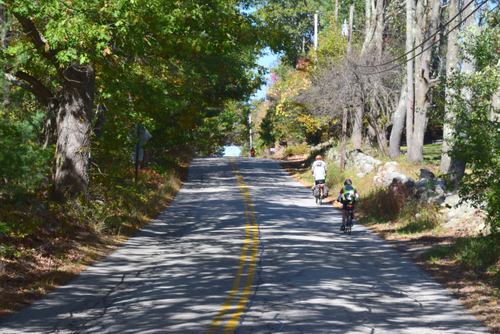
(286, 24)
(23, 163)
(227, 127)
(333, 45)
(417, 218)
(477, 139)
(299, 149)
(266, 132)
(173, 66)
(334, 175)
(477, 253)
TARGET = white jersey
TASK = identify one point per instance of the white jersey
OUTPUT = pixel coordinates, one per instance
(319, 170)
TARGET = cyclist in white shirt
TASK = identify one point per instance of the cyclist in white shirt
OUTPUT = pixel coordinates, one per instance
(319, 170)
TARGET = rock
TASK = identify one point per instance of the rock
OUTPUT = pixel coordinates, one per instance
(388, 173)
(333, 154)
(427, 174)
(363, 163)
(452, 201)
(424, 184)
(440, 190)
(430, 196)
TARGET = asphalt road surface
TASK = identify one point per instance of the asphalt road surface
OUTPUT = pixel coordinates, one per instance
(245, 249)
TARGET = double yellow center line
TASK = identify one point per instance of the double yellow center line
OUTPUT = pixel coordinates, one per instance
(228, 317)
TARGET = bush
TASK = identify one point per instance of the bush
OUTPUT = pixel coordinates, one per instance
(296, 150)
(23, 162)
(385, 204)
(334, 175)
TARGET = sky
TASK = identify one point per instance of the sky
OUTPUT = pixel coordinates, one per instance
(268, 60)
(232, 151)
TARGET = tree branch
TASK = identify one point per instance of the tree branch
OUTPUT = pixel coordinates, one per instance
(37, 39)
(30, 83)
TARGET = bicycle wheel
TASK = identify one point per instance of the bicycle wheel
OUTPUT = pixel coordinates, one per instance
(348, 226)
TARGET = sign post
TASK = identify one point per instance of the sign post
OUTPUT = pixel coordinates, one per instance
(141, 136)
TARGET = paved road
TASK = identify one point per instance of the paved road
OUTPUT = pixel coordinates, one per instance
(243, 248)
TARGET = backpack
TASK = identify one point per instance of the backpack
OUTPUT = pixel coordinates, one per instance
(348, 195)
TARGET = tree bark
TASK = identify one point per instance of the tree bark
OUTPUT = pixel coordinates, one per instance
(357, 128)
(398, 124)
(456, 168)
(410, 83)
(449, 117)
(378, 133)
(373, 45)
(336, 11)
(427, 16)
(4, 28)
(343, 141)
(73, 131)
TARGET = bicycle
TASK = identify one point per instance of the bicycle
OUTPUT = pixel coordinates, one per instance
(349, 217)
(319, 192)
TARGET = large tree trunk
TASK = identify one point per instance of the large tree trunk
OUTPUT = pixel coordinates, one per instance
(456, 169)
(357, 128)
(372, 45)
(449, 117)
(4, 28)
(410, 67)
(343, 139)
(398, 125)
(73, 131)
(427, 17)
(50, 126)
(376, 132)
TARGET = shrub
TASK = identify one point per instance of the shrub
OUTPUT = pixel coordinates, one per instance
(23, 162)
(334, 175)
(385, 204)
(296, 150)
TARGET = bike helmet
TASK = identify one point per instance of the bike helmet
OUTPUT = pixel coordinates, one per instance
(348, 182)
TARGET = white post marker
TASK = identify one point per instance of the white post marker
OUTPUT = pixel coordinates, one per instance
(345, 29)
(250, 129)
(316, 15)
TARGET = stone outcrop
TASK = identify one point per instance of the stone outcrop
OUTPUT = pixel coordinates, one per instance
(388, 173)
(462, 216)
(429, 189)
(362, 162)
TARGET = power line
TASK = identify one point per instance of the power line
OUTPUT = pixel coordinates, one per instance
(431, 45)
(427, 39)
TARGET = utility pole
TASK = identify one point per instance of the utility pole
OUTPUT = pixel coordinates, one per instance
(250, 129)
(410, 105)
(349, 35)
(336, 11)
(343, 142)
(316, 20)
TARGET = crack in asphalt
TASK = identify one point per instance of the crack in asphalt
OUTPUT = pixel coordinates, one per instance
(400, 292)
(103, 304)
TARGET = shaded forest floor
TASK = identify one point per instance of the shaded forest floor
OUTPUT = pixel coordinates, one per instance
(467, 264)
(49, 243)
